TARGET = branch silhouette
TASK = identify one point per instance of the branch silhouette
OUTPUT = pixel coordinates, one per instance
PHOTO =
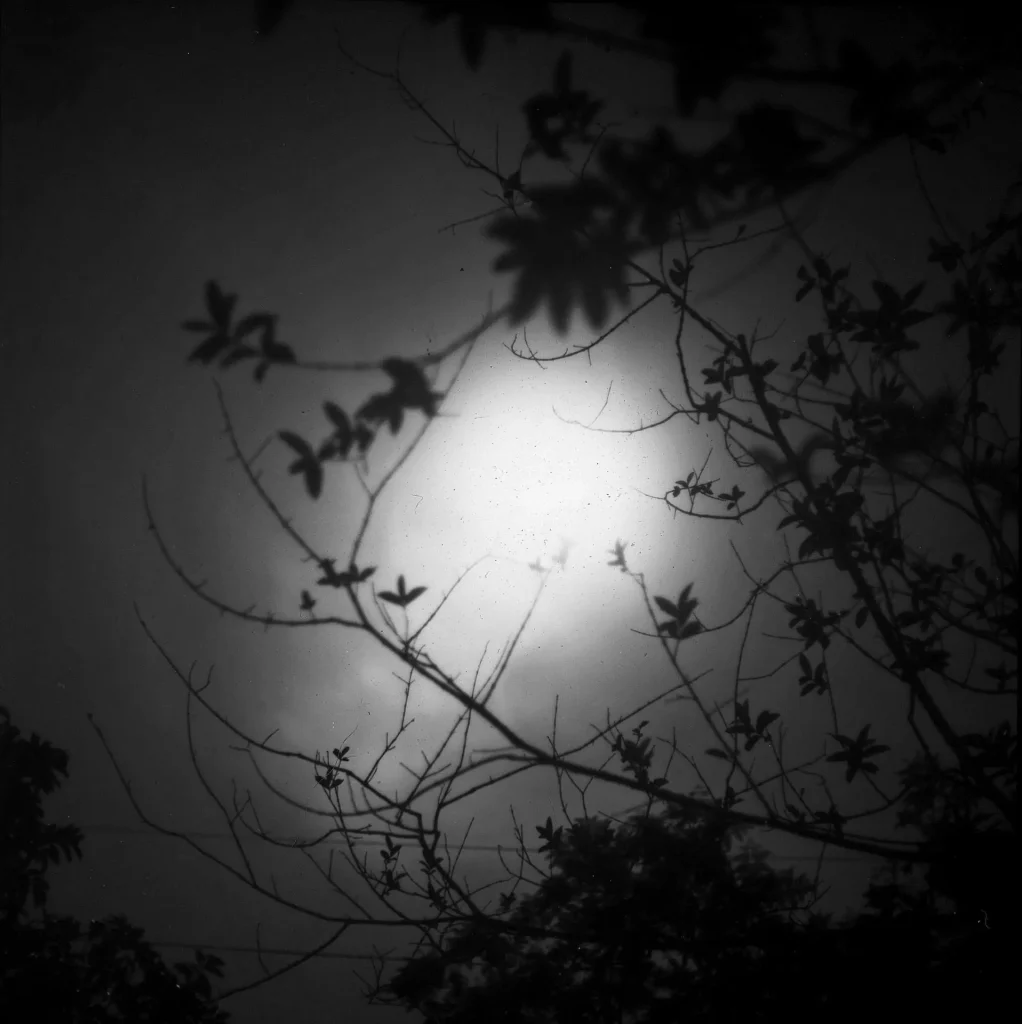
(608, 913)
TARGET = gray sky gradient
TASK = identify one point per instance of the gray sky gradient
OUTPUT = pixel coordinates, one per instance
(193, 151)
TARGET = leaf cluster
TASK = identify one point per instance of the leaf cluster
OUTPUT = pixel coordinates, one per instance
(680, 625)
(639, 194)
(51, 964)
(230, 342)
(650, 919)
(663, 918)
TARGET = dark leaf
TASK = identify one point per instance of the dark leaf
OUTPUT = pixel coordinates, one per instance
(220, 306)
(236, 355)
(511, 184)
(328, 450)
(384, 408)
(337, 416)
(280, 353)
(406, 375)
(559, 266)
(341, 439)
(363, 437)
(253, 322)
(297, 444)
(840, 476)
(206, 351)
(912, 294)
(411, 388)
(679, 274)
(619, 555)
(307, 464)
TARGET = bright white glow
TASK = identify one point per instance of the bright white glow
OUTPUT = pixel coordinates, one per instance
(501, 474)
(529, 487)
(521, 483)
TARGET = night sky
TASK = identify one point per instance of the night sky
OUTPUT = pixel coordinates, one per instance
(152, 147)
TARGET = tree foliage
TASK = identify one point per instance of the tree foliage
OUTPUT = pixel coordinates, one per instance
(52, 967)
(831, 437)
(658, 919)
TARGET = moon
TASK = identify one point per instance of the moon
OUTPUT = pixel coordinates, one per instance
(506, 476)
(508, 473)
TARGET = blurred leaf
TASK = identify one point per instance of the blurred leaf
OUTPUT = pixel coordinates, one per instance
(206, 351)
(411, 388)
(618, 552)
(251, 323)
(236, 355)
(342, 438)
(559, 266)
(220, 306)
(307, 464)
(402, 597)
(384, 408)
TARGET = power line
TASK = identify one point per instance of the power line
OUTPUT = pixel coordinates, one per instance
(274, 951)
(143, 831)
(140, 830)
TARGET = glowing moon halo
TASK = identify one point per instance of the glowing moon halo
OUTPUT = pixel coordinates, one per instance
(526, 490)
(524, 484)
(507, 472)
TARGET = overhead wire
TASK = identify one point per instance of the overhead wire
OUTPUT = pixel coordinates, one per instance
(275, 951)
(109, 828)
(105, 828)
